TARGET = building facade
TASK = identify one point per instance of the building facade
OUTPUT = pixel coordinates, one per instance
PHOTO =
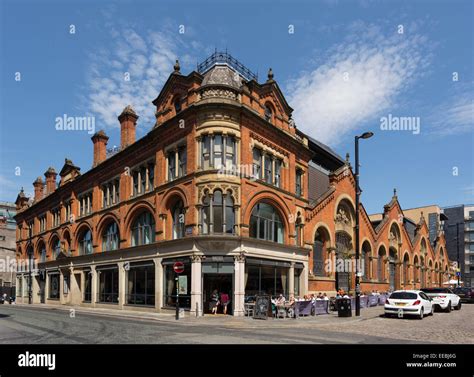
(225, 183)
(464, 216)
(7, 245)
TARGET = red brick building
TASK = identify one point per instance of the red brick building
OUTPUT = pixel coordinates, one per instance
(224, 182)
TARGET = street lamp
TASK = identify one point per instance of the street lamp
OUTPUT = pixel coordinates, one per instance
(365, 135)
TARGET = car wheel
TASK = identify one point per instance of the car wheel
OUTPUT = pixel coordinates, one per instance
(448, 308)
(421, 314)
(458, 306)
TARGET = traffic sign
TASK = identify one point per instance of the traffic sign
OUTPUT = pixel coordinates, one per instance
(178, 267)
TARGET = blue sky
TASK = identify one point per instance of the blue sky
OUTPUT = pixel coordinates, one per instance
(346, 65)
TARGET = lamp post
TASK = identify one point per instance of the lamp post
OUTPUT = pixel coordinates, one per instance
(365, 135)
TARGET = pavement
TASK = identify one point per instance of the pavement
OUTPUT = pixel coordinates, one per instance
(48, 324)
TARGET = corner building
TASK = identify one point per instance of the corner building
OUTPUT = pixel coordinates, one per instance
(225, 183)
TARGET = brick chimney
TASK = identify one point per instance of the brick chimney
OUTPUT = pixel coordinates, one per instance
(128, 121)
(50, 180)
(39, 189)
(100, 147)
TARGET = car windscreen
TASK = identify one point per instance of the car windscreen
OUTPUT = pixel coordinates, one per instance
(435, 290)
(403, 296)
(461, 290)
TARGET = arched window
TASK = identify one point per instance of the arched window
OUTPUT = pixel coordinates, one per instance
(406, 271)
(42, 252)
(268, 113)
(56, 247)
(218, 214)
(178, 220)
(143, 229)
(177, 105)
(381, 264)
(299, 231)
(85, 243)
(320, 239)
(110, 237)
(365, 260)
(265, 223)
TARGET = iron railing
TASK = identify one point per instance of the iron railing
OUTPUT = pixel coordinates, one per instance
(226, 58)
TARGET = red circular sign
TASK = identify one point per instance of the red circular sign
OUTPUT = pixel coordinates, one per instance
(178, 267)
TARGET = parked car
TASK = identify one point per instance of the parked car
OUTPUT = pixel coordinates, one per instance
(443, 298)
(402, 303)
(466, 294)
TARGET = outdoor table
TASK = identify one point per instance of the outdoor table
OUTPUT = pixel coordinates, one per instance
(249, 307)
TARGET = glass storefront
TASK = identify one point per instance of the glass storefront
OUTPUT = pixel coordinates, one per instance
(54, 286)
(87, 286)
(141, 284)
(266, 277)
(169, 289)
(108, 285)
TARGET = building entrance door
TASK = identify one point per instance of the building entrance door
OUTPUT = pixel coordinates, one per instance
(223, 283)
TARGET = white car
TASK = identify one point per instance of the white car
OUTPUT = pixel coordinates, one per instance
(443, 298)
(408, 303)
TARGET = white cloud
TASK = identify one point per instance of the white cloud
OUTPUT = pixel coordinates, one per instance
(455, 116)
(359, 79)
(148, 59)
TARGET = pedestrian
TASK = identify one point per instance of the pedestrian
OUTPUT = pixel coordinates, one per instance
(214, 301)
(225, 300)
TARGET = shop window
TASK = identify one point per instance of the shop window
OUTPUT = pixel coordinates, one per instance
(169, 297)
(88, 286)
(141, 285)
(53, 286)
(108, 285)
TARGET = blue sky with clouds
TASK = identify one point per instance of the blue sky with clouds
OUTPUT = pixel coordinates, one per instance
(347, 65)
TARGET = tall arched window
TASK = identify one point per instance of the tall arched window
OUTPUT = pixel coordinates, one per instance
(381, 264)
(217, 214)
(406, 271)
(320, 239)
(143, 229)
(365, 260)
(56, 247)
(85, 243)
(266, 224)
(178, 220)
(42, 253)
(110, 237)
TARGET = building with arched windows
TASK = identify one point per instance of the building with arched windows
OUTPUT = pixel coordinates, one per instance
(225, 183)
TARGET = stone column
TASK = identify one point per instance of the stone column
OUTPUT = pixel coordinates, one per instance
(122, 276)
(62, 299)
(158, 284)
(196, 286)
(46, 286)
(95, 282)
(239, 284)
(291, 279)
(304, 279)
(36, 289)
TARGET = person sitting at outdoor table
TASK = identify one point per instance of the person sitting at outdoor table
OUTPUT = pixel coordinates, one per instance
(339, 293)
(280, 300)
(325, 297)
(312, 298)
(292, 300)
(305, 298)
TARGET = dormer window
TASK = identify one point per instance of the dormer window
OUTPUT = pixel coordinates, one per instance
(177, 105)
(268, 113)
